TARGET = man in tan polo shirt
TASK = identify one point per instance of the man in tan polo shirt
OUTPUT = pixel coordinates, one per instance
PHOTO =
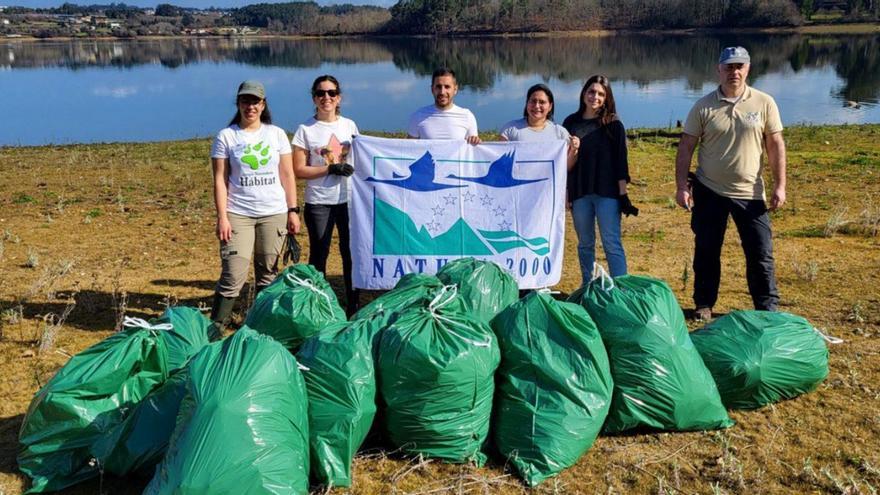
(733, 125)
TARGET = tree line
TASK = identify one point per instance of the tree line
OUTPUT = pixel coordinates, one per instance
(472, 16)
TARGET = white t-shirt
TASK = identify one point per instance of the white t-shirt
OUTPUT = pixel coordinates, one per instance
(519, 130)
(326, 143)
(432, 123)
(254, 187)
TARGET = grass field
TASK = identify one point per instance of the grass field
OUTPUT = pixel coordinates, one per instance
(91, 232)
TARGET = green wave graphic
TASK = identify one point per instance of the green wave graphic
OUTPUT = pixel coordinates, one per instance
(501, 246)
(495, 235)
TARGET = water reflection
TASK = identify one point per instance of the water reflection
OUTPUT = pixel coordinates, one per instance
(145, 90)
(643, 59)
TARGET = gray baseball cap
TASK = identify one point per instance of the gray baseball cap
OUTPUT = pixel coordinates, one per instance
(251, 87)
(734, 55)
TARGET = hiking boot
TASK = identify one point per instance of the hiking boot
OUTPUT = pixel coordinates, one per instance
(703, 314)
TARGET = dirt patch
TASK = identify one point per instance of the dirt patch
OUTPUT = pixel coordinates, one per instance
(88, 233)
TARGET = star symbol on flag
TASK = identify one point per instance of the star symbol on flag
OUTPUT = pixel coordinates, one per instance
(499, 210)
(438, 210)
(505, 225)
(469, 196)
(450, 199)
(432, 226)
(486, 200)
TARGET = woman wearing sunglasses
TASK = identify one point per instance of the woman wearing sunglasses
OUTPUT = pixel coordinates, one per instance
(255, 196)
(321, 148)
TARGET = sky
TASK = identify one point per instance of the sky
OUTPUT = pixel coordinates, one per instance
(201, 4)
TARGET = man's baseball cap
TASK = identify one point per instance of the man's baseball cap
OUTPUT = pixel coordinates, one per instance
(251, 87)
(734, 55)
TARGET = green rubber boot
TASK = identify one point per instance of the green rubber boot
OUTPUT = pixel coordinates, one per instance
(221, 311)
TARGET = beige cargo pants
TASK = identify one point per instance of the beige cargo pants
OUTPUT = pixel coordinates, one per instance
(261, 238)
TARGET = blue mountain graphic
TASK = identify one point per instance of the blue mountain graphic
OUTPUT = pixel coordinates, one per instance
(500, 174)
(421, 177)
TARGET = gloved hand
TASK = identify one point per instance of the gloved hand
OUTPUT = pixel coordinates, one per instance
(342, 169)
(626, 206)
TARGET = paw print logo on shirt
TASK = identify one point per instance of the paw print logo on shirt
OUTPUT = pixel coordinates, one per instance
(255, 155)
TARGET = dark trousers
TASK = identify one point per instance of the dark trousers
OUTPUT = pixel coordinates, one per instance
(709, 222)
(320, 220)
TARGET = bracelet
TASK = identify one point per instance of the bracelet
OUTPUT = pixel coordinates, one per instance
(293, 209)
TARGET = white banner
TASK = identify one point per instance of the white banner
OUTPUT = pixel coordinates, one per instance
(418, 204)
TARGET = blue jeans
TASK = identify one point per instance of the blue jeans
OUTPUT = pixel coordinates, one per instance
(585, 211)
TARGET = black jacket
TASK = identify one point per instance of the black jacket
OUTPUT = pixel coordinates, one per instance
(601, 160)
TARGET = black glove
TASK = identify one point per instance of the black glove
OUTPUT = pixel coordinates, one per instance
(626, 206)
(291, 250)
(342, 169)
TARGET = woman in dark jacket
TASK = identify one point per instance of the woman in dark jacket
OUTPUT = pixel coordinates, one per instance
(598, 178)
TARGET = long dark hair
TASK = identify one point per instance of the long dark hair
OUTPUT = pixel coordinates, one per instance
(327, 78)
(546, 90)
(608, 111)
(265, 117)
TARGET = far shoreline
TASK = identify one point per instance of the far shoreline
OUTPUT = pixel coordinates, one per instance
(816, 29)
(489, 135)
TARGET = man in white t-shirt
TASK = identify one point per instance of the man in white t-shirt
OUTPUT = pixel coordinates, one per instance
(444, 119)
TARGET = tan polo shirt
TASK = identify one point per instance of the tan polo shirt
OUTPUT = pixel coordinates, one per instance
(732, 140)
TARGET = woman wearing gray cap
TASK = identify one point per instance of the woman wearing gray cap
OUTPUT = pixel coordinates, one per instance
(255, 197)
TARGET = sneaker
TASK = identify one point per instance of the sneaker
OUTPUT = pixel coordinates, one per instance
(703, 314)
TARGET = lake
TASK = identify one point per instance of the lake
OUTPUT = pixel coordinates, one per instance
(152, 90)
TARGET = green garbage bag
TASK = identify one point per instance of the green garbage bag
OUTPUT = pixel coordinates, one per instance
(554, 385)
(760, 357)
(411, 290)
(341, 384)
(436, 376)
(85, 400)
(190, 331)
(660, 380)
(295, 306)
(139, 442)
(485, 287)
(242, 426)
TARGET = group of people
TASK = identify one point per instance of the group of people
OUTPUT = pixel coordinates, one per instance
(256, 167)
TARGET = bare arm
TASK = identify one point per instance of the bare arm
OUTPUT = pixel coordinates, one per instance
(220, 167)
(301, 166)
(573, 145)
(683, 157)
(775, 145)
(288, 182)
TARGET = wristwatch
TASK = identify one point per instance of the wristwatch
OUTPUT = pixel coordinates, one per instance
(293, 209)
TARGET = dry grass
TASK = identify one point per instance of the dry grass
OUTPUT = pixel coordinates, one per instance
(133, 224)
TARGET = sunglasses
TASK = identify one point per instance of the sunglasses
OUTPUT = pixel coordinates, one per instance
(249, 100)
(320, 93)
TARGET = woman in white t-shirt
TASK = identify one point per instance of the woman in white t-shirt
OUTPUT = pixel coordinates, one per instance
(321, 156)
(537, 122)
(255, 197)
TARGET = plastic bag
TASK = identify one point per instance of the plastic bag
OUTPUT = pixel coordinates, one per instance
(555, 378)
(413, 289)
(485, 287)
(341, 384)
(140, 441)
(84, 401)
(295, 306)
(660, 380)
(760, 357)
(436, 376)
(243, 424)
(190, 331)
